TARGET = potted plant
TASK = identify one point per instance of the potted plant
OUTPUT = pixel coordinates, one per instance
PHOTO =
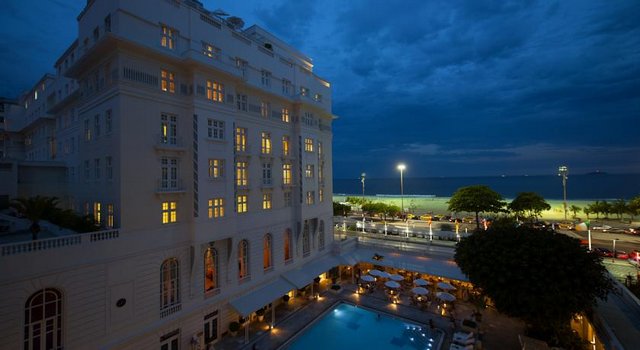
(260, 314)
(335, 288)
(233, 328)
(286, 298)
(316, 280)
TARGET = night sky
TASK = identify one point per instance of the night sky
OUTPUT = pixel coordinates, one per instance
(451, 88)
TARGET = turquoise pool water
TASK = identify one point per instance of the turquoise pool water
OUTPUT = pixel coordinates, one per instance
(350, 327)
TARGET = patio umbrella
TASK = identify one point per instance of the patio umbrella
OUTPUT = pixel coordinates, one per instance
(384, 274)
(444, 296)
(396, 277)
(420, 282)
(445, 286)
(420, 291)
(392, 284)
(375, 273)
(367, 278)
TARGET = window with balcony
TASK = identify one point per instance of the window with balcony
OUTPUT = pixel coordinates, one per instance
(169, 285)
(168, 37)
(266, 201)
(266, 143)
(267, 252)
(288, 199)
(286, 174)
(243, 260)
(241, 140)
(169, 212)
(286, 149)
(285, 115)
(242, 176)
(169, 129)
(266, 174)
(215, 91)
(215, 129)
(210, 269)
(215, 208)
(241, 203)
(308, 144)
(167, 81)
(216, 168)
(169, 174)
(43, 319)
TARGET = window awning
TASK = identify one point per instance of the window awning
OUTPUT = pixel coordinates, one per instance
(305, 274)
(261, 296)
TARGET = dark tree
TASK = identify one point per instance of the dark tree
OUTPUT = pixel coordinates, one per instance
(537, 276)
(476, 199)
(528, 204)
(341, 209)
(35, 209)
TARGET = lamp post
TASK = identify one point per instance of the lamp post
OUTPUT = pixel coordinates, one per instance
(362, 178)
(563, 171)
(402, 167)
(613, 257)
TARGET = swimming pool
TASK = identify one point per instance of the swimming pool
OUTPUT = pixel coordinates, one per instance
(349, 327)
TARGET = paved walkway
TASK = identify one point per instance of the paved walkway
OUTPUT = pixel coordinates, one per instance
(499, 331)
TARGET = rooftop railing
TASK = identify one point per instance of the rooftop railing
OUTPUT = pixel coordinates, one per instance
(57, 242)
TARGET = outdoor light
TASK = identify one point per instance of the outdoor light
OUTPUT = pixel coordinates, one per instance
(564, 171)
(402, 167)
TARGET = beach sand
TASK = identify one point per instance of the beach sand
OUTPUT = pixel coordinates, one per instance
(438, 205)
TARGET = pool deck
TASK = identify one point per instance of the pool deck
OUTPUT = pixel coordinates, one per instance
(499, 331)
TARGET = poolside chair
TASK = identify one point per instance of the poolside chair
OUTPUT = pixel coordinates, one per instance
(463, 338)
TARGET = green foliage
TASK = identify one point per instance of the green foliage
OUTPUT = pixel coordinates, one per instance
(528, 204)
(35, 209)
(619, 207)
(538, 276)
(633, 207)
(575, 210)
(356, 200)
(476, 199)
(340, 209)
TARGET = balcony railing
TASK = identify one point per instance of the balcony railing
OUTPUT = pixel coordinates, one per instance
(57, 242)
(169, 143)
(170, 186)
(170, 310)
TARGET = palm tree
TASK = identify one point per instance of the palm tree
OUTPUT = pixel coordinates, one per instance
(35, 209)
(575, 210)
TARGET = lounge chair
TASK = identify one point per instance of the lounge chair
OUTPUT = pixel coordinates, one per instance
(463, 338)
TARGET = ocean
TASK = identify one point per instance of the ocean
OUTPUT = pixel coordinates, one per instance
(598, 186)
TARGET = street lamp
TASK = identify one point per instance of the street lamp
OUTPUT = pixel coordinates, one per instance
(613, 258)
(362, 178)
(402, 167)
(564, 171)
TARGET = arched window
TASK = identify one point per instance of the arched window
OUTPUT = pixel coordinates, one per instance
(321, 235)
(169, 283)
(243, 259)
(287, 246)
(210, 269)
(267, 252)
(43, 320)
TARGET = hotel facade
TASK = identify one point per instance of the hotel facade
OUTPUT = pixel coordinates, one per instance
(203, 152)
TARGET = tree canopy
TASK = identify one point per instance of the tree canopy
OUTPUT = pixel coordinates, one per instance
(538, 276)
(35, 209)
(528, 204)
(476, 199)
(341, 209)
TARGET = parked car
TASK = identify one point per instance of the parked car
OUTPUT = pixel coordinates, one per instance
(633, 230)
(614, 230)
(604, 252)
(621, 254)
(601, 227)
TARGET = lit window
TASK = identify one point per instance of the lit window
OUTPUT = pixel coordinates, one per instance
(43, 320)
(216, 168)
(319, 149)
(266, 201)
(241, 139)
(215, 129)
(266, 78)
(310, 197)
(286, 150)
(169, 284)
(304, 91)
(241, 203)
(210, 269)
(215, 91)
(110, 216)
(243, 259)
(286, 174)
(97, 213)
(317, 97)
(242, 176)
(167, 81)
(320, 174)
(265, 109)
(308, 144)
(266, 143)
(267, 252)
(285, 115)
(169, 212)
(210, 50)
(321, 195)
(168, 37)
(168, 129)
(87, 130)
(266, 174)
(308, 171)
(216, 208)
(287, 246)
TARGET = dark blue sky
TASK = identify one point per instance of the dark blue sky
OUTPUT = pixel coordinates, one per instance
(451, 88)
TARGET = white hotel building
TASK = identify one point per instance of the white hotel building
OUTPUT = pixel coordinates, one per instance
(204, 152)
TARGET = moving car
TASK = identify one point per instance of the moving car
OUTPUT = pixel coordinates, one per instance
(621, 254)
(604, 252)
